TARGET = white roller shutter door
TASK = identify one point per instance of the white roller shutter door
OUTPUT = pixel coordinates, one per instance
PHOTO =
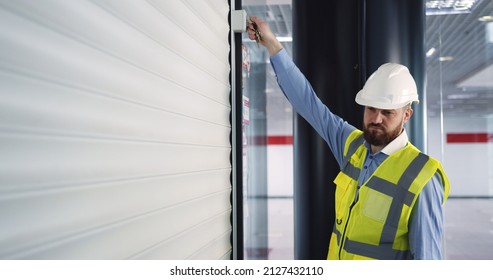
(114, 129)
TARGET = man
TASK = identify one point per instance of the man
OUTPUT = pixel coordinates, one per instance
(389, 195)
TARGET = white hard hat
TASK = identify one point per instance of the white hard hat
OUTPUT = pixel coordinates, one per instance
(390, 87)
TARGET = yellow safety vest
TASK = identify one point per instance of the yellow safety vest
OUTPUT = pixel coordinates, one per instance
(375, 224)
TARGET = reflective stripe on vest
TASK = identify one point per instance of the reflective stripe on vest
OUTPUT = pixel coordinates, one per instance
(351, 170)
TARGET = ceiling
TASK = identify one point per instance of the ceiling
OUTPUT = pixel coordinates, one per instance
(459, 72)
(466, 86)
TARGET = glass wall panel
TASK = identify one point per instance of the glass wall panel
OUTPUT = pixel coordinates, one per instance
(267, 138)
(459, 100)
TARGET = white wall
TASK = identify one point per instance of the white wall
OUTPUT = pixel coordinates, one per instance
(279, 157)
(468, 165)
(280, 170)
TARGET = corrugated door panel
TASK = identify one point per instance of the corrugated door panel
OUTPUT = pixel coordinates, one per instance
(114, 130)
(200, 236)
(132, 234)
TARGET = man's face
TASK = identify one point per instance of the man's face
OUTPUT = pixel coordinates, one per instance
(381, 126)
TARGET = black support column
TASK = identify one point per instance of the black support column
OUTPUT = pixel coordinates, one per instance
(326, 49)
(337, 45)
(394, 31)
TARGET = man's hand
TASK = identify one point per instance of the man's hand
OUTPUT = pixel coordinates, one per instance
(267, 38)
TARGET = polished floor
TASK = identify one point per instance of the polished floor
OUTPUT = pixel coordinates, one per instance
(468, 229)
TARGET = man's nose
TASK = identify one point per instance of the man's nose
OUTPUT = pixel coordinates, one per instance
(377, 118)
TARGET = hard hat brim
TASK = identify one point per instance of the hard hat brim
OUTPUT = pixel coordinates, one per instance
(385, 105)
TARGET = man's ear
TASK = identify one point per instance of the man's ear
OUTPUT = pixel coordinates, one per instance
(407, 114)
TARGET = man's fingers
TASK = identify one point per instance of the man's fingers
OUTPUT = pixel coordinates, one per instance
(253, 32)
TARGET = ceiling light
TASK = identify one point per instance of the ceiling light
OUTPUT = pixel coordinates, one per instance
(430, 52)
(486, 18)
(285, 39)
(462, 95)
(446, 7)
(446, 58)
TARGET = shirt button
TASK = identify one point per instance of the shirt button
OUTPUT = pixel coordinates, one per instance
(366, 167)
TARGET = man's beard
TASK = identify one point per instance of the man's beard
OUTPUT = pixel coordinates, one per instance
(380, 137)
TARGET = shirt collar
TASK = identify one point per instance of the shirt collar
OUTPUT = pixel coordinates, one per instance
(398, 143)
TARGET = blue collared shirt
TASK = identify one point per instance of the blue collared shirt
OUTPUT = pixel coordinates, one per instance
(426, 222)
